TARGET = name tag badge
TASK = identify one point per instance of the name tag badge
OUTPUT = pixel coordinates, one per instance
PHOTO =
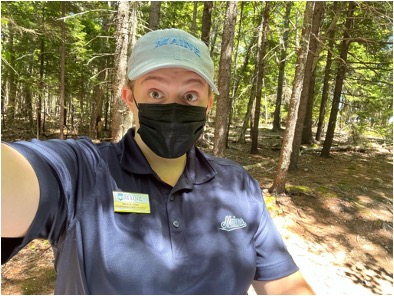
(129, 202)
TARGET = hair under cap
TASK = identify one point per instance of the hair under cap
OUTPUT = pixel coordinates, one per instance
(171, 48)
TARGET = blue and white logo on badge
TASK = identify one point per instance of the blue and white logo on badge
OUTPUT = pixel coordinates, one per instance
(231, 223)
(119, 196)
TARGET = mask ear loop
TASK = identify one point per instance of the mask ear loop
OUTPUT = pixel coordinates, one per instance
(136, 104)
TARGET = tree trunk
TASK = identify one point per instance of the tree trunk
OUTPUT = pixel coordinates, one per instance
(214, 35)
(247, 116)
(316, 48)
(26, 93)
(339, 81)
(205, 33)
(97, 103)
(316, 19)
(234, 74)
(41, 84)
(241, 138)
(121, 115)
(62, 71)
(260, 76)
(154, 15)
(206, 22)
(278, 186)
(245, 64)
(222, 105)
(282, 65)
(326, 80)
(4, 92)
(193, 27)
(11, 104)
(28, 107)
(100, 89)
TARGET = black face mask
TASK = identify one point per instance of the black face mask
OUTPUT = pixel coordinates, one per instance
(170, 130)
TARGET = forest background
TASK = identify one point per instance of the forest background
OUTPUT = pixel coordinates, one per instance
(293, 76)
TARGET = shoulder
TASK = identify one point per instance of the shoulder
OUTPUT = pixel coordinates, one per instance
(234, 175)
(223, 163)
(110, 152)
(60, 153)
(109, 148)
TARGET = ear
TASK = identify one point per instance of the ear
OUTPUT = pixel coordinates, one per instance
(210, 102)
(127, 96)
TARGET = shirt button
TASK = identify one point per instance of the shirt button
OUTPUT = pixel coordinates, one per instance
(172, 198)
(176, 224)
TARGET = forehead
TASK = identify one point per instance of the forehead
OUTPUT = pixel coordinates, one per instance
(172, 75)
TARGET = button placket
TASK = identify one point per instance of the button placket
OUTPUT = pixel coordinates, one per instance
(175, 219)
(174, 210)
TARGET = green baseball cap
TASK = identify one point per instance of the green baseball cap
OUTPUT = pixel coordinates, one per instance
(171, 48)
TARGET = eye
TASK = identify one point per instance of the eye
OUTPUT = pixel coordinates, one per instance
(191, 97)
(155, 94)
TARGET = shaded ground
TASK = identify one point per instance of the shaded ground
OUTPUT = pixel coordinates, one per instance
(336, 220)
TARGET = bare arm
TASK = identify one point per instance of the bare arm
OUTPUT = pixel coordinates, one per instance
(294, 284)
(20, 193)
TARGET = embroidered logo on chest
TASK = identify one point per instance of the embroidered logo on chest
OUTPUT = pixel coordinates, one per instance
(231, 223)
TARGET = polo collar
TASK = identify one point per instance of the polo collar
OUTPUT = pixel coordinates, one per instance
(198, 169)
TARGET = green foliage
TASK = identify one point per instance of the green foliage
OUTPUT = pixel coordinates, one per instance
(90, 43)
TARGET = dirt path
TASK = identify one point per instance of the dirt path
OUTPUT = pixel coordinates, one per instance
(336, 221)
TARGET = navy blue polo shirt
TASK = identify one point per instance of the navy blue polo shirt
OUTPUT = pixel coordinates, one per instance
(210, 234)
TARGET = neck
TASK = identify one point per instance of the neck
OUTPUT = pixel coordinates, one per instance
(168, 169)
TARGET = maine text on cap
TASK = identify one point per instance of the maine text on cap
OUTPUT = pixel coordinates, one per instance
(178, 42)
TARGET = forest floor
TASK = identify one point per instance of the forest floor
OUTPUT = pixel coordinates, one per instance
(336, 219)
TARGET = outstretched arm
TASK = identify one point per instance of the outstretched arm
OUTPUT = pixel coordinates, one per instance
(20, 193)
(294, 284)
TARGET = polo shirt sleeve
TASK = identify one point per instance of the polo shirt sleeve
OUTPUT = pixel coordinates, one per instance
(273, 261)
(61, 168)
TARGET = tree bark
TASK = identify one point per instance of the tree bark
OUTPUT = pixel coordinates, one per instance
(247, 116)
(308, 76)
(41, 84)
(339, 80)
(206, 22)
(62, 71)
(154, 15)
(278, 187)
(234, 74)
(39, 126)
(316, 48)
(28, 106)
(193, 27)
(326, 85)
(11, 104)
(121, 116)
(100, 89)
(327, 70)
(282, 65)
(260, 76)
(205, 33)
(222, 104)
(97, 102)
